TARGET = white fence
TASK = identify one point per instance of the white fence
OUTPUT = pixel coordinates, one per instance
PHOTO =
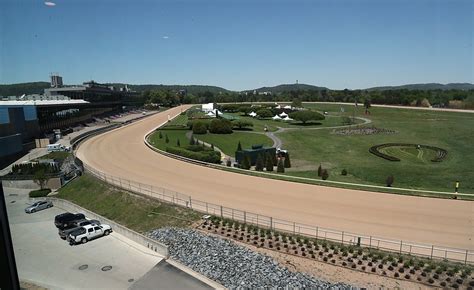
(396, 246)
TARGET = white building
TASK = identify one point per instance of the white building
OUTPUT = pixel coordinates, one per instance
(206, 108)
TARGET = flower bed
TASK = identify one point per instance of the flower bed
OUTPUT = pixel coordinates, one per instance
(405, 267)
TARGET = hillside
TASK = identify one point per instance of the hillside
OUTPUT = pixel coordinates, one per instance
(425, 87)
(290, 87)
(191, 89)
(23, 88)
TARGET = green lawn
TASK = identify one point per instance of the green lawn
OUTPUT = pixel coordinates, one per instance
(173, 136)
(61, 155)
(134, 212)
(228, 142)
(451, 131)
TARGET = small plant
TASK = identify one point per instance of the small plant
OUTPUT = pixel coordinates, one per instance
(325, 174)
(320, 170)
(167, 140)
(389, 181)
(344, 172)
(178, 143)
(160, 135)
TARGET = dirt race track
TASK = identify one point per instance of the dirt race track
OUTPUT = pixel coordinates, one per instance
(442, 222)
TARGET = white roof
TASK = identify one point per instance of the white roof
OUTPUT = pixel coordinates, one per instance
(253, 114)
(42, 103)
(211, 114)
(287, 119)
(283, 115)
(287, 107)
(278, 107)
(276, 117)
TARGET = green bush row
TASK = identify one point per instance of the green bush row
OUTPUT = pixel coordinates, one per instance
(40, 192)
(204, 155)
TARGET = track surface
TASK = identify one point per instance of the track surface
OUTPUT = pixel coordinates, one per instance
(442, 222)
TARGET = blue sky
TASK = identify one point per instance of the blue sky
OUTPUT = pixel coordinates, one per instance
(238, 44)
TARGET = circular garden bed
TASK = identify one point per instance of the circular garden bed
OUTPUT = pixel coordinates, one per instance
(382, 150)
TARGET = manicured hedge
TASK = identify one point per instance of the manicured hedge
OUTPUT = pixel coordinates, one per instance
(220, 126)
(40, 192)
(206, 156)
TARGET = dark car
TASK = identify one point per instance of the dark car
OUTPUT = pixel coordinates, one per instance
(67, 219)
(63, 233)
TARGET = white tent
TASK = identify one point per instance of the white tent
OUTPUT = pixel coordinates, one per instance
(287, 107)
(287, 119)
(278, 107)
(276, 117)
(283, 115)
(253, 114)
(207, 107)
(217, 112)
(211, 114)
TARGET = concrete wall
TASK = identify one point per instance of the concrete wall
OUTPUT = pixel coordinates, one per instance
(53, 183)
(134, 236)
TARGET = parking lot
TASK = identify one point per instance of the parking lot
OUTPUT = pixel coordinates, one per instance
(112, 262)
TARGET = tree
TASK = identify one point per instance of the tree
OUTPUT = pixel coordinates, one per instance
(242, 124)
(191, 140)
(280, 166)
(320, 170)
(264, 113)
(245, 162)
(344, 172)
(167, 140)
(212, 146)
(220, 126)
(199, 127)
(389, 181)
(306, 115)
(178, 143)
(367, 104)
(259, 163)
(40, 177)
(228, 162)
(239, 147)
(325, 174)
(160, 135)
(287, 161)
(296, 103)
(269, 163)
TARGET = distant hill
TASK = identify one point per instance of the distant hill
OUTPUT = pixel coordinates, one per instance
(191, 89)
(425, 87)
(290, 87)
(23, 88)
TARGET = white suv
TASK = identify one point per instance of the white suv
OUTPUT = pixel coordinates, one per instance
(87, 233)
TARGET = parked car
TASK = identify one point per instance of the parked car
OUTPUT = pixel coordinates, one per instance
(65, 220)
(39, 205)
(87, 233)
(63, 233)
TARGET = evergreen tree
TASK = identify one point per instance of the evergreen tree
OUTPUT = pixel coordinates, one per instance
(239, 147)
(191, 141)
(245, 162)
(320, 170)
(212, 146)
(287, 161)
(325, 174)
(269, 164)
(259, 163)
(167, 140)
(178, 143)
(160, 135)
(281, 166)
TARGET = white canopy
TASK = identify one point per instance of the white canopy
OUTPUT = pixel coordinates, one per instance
(276, 117)
(287, 119)
(283, 115)
(287, 107)
(211, 114)
(253, 114)
(278, 107)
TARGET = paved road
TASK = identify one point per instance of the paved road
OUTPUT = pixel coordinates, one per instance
(123, 153)
(43, 258)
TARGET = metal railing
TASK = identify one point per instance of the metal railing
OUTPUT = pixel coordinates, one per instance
(395, 246)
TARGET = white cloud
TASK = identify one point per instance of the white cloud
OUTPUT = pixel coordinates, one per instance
(47, 3)
(165, 37)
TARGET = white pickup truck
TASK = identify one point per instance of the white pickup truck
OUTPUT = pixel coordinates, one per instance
(87, 233)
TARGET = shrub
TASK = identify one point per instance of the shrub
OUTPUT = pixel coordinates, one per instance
(325, 174)
(167, 140)
(40, 192)
(199, 127)
(245, 163)
(280, 166)
(269, 162)
(160, 135)
(240, 124)
(389, 180)
(264, 113)
(228, 162)
(259, 163)
(320, 170)
(344, 172)
(305, 116)
(287, 161)
(178, 143)
(203, 155)
(220, 126)
(239, 147)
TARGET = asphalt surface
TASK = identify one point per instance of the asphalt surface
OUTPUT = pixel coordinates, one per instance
(166, 276)
(442, 222)
(46, 260)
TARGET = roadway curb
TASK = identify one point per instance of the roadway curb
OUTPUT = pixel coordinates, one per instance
(195, 274)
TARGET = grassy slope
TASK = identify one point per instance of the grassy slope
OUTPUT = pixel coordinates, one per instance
(173, 136)
(451, 131)
(137, 213)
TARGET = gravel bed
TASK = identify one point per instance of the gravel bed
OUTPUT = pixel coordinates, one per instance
(232, 265)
